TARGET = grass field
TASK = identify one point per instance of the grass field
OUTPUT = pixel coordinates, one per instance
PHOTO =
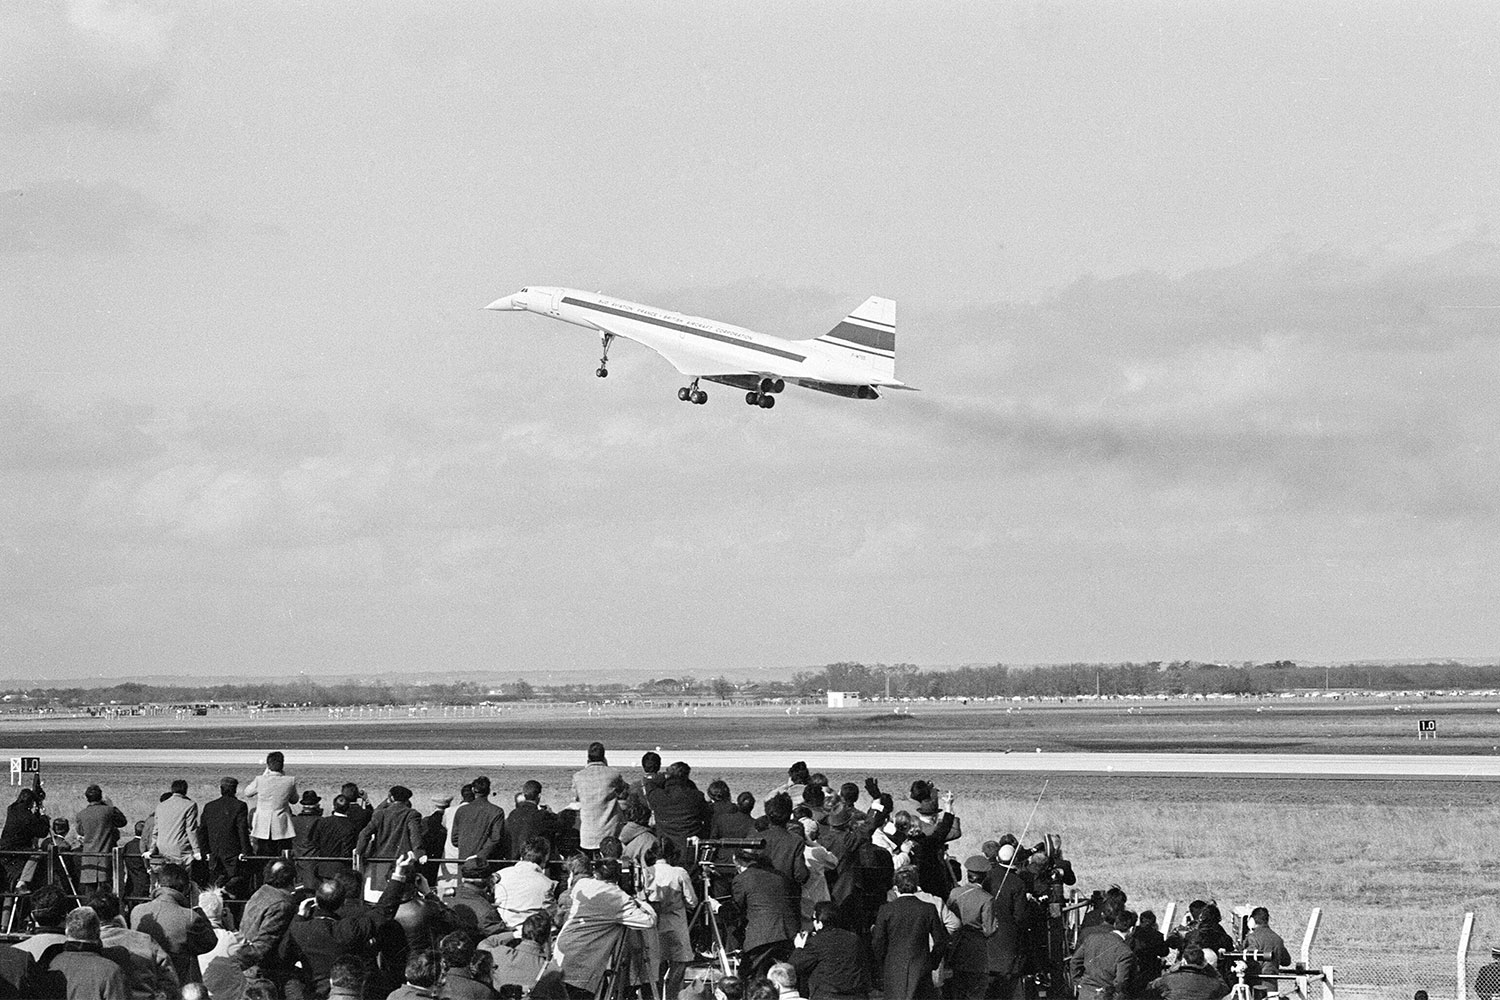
(1394, 864)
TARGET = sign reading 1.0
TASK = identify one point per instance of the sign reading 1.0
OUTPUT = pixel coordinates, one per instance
(1426, 729)
(24, 765)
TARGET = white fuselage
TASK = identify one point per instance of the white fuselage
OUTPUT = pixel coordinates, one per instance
(696, 346)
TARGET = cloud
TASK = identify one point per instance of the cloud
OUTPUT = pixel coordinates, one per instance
(94, 62)
(72, 217)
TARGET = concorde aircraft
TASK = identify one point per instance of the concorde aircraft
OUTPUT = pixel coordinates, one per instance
(854, 359)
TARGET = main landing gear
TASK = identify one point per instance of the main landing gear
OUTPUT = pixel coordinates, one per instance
(603, 370)
(764, 397)
(692, 394)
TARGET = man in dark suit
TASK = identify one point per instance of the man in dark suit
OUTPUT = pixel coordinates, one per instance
(479, 826)
(833, 961)
(1103, 962)
(909, 940)
(768, 902)
(332, 836)
(680, 809)
(394, 828)
(226, 836)
(529, 818)
(785, 850)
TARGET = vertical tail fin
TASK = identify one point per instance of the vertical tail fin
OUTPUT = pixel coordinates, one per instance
(869, 332)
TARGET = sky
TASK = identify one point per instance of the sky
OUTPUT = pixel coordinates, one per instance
(1203, 301)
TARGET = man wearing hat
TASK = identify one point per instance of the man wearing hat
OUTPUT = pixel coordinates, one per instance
(309, 811)
(1013, 915)
(473, 902)
(968, 955)
(435, 835)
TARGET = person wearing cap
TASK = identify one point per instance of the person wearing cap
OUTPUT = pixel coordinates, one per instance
(473, 902)
(393, 830)
(909, 940)
(309, 810)
(81, 961)
(837, 835)
(968, 955)
(1014, 915)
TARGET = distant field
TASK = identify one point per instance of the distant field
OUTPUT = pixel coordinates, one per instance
(1465, 727)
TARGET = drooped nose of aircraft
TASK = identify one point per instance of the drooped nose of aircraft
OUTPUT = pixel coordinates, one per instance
(508, 302)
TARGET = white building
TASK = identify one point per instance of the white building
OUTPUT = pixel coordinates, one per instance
(843, 699)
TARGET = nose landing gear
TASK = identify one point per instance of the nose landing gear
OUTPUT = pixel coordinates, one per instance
(603, 369)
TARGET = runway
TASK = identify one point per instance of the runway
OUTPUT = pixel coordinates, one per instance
(1229, 765)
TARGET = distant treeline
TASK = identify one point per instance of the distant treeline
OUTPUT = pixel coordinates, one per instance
(900, 680)
(1178, 677)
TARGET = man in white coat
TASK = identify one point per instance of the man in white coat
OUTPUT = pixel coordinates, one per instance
(271, 830)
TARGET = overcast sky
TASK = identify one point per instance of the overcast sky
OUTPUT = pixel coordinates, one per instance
(1204, 301)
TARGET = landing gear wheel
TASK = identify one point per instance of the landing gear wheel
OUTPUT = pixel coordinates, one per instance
(684, 394)
(699, 397)
(766, 402)
(753, 398)
(602, 372)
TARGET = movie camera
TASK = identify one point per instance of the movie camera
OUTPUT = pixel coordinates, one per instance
(710, 925)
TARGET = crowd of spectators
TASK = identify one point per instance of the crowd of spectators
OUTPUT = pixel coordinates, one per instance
(809, 889)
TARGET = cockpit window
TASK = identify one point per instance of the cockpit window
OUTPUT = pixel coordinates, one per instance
(525, 290)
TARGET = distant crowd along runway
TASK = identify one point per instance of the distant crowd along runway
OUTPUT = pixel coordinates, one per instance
(1250, 765)
(857, 358)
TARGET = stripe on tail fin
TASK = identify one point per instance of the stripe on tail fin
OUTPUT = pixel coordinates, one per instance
(869, 331)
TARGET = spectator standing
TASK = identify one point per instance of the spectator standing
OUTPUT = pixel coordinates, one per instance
(680, 810)
(669, 890)
(650, 780)
(529, 818)
(479, 826)
(1261, 938)
(968, 951)
(175, 836)
(394, 829)
(908, 939)
(274, 791)
(1014, 915)
(226, 838)
(1103, 962)
(332, 836)
(767, 900)
(834, 960)
(98, 824)
(598, 789)
(435, 836)
(268, 914)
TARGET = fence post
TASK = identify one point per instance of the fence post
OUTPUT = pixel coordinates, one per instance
(117, 871)
(1167, 913)
(1463, 956)
(1313, 919)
